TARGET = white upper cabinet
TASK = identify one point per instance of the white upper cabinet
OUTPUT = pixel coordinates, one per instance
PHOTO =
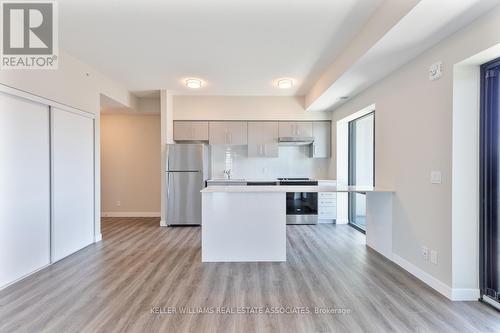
(191, 130)
(228, 133)
(295, 128)
(263, 139)
(322, 139)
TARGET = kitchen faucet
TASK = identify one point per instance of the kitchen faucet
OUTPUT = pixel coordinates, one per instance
(228, 173)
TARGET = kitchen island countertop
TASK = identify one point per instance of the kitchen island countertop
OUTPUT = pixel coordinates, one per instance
(291, 188)
(248, 223)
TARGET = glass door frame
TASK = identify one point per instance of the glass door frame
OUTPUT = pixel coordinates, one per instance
(489, 188)
(351, 170)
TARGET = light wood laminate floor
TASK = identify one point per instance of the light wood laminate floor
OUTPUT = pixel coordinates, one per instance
(112, 286)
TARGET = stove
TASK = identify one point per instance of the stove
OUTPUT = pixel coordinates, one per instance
(297, 181)
(301, 207)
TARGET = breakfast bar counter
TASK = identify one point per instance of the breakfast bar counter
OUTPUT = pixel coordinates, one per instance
(248, 223)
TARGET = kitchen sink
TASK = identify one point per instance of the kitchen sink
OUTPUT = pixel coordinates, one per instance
(226, 182)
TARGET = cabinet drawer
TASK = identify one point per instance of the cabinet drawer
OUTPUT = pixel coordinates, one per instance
(327, 208)
(327, 216)
(327, 212)
(327, 195)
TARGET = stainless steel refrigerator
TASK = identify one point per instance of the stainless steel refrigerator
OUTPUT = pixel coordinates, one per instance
(187, 168)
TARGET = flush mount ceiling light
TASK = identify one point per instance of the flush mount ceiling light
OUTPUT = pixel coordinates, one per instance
(193, 83)
(285, 83)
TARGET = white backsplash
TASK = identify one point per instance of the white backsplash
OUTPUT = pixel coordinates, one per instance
(292, 162)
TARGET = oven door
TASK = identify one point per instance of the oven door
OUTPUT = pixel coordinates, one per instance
(301, 208)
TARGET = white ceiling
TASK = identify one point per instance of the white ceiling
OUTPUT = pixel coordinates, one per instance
(425, 25)
(239, 47)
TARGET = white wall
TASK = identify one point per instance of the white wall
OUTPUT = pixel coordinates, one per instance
(292, 162)
(167, 137)
(75, 84)
(148, 105)
(413, 135)
(130, 164)
(190, 107)
(243, 108)
(465, 189)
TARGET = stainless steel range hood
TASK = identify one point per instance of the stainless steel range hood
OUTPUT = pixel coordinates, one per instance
(295, 140)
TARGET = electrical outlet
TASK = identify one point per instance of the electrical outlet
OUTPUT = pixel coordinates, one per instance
(118, 203)
(425, 252)
(434, 257)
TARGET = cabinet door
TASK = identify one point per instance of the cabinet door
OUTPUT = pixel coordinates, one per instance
(24, 187)
(228, 133)
(322, 139)
(262, 139)
(304, 128)
(327, 205)
(295, 128)
(238, 132)
(191, 130)
(73, 182)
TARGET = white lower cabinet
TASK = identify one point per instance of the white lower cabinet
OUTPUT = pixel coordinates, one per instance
(327, 203)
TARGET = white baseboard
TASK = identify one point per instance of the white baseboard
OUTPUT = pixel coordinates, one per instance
(430, 280)
(23, 277)
(163, 223)
(130, 214)
(97, 238)
(462, 294)
(341, 221)
(454, 294)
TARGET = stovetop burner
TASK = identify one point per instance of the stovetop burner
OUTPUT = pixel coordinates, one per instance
(297, 181)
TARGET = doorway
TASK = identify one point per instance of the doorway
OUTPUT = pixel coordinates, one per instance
(361, 166)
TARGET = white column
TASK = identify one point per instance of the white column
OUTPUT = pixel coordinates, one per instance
(379, 222)
(167, 136)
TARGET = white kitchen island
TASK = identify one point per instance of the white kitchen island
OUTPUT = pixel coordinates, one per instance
(248, 223)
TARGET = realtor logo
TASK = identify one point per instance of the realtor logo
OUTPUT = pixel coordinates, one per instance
(29, 35)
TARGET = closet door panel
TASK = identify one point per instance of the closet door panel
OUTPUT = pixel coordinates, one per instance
(24, 187)
(73, 182)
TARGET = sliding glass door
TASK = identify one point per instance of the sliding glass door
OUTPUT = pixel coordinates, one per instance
(361, 166)
(490, 183)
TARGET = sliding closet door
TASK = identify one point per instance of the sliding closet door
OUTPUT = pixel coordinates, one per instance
(73, 182)
(24, 187)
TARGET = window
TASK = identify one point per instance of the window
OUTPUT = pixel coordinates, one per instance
(361, 166)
